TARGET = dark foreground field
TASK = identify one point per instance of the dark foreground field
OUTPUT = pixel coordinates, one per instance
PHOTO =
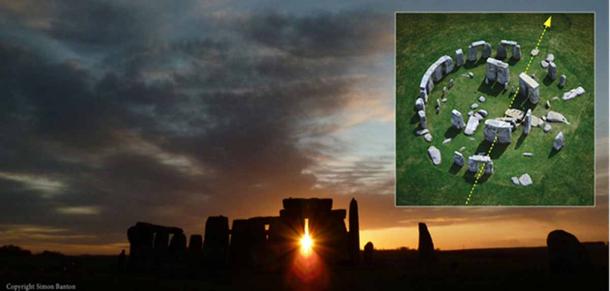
(486, 269)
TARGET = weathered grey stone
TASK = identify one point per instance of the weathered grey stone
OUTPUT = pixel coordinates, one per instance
(552, 71)
(553, 116)
(462, 149)
(544, 64)
(529, 87)
(500, 129)
(550, 58)
(514, 113)
(474, 106)
(515, 180)
(547, 127)
(421, 132)
(472, 53)
(422, 119)
(470, 75)
(428, 137)
(483, 112)
(435, 155)
(535, 52)
(573, 93)
(536, 121)
(478, 116)
(420, 104)
(457, 120)
(446, 141)
(558, 141)
(517, 52)
(458, 159)
(481, 99)
(562, 80)
(525, 180)
(471, 126)
(528, 154)
(444, 100)
(548, 104)
(459, 57)
(527, 122)
(496, 71)
(475, 162)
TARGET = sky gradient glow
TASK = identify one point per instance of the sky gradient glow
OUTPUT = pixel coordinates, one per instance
(114, 112)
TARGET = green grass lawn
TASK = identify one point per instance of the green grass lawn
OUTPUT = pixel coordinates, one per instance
(562, 178)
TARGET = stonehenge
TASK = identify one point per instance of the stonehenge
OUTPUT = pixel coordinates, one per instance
(457, 120)
(422, 119)
(475, 162)
(497, 71)
(458, 159)
(527, 122)
(459, 57)
(558, 141)
(471, 126)
(500, 129)
(435, 155)
(562, 80)
(501, 50)
(552, 71)
(473, 47)
(529, 88)
(252, 241)
(443, 66)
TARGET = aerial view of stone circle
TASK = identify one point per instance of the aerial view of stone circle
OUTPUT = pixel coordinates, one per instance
(494, 109)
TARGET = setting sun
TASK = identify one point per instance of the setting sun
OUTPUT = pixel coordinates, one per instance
(306, 241)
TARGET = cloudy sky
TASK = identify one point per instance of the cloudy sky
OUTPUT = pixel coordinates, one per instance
(113, 112)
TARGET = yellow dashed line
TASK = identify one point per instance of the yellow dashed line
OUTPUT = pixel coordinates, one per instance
(480, 172)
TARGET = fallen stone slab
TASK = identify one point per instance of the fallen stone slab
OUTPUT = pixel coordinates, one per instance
(553, 116)
(514, 113)
(525, 180)
(515, 180)
(435, 155)
(428, 137)
(528, 154)
(481, 99)
(573, 93)
(422, 132)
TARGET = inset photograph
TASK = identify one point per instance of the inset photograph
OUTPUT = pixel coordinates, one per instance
(495, 109)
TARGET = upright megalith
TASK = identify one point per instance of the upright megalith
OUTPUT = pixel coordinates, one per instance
(498, 129)
(435, 155)
(443, 66)
(177, 244)
(459, 57)
(558, 141)
(563, 79)
(517, 52)
(422, 119)
(195, 243)
(458, 159)
(504, 45)
(425, 248)
(527, 122)
(473, 47)
(476, 161)
(420, 104)
(354, 232)
(457, 121)
(529, 88)
(566, 254)
(497, 71)
(552, 71)
(216, 239)
(369, 250)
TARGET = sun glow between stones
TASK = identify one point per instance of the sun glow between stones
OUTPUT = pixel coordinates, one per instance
(306, 241)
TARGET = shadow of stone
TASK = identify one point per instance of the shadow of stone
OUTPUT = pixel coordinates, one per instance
(454, 169)
(470, 177)
(452, 132)
(483, 147)
(520, 102)
(492, 89)
(553, 152)
(512, 61)
(547, 80)
(520, 140)
(414, 119)
(498, 150)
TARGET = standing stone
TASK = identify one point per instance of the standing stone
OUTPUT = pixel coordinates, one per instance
(195, 243)
(420, 104)
(457, 120)
(517, 52)
(501, 51)
(552, 71)
(475, 161)
(489, 168)
(486, 51)
(527, 122)
(422, 119)
(573, 93)
(459, 57)
(448, 65)
(425, 248)
(472, 53)
(369, 250)
(497, 128)
(550, 58)
(529, 88)
(177, 244)
(558, 141)
(354, 232)
(567, 255)
(435, 155)
(216, 239)
(562, 80)
(458, 159)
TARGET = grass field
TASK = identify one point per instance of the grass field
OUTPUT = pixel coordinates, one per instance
(559, 178)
